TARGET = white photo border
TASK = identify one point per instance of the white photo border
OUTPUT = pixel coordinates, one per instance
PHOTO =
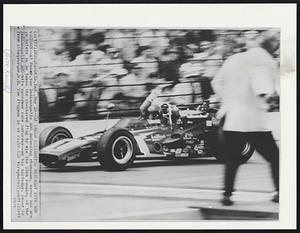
(227, 16)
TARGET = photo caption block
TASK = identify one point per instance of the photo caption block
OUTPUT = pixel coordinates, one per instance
(25, 149)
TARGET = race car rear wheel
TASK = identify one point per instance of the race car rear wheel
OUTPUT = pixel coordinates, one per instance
(216, 149)
(116, 149)
(247, 152)
(48, 136)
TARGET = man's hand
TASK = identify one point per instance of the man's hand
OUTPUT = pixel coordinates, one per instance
(272, 100)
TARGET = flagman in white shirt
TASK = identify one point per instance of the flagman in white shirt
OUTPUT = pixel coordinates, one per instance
(246, 85)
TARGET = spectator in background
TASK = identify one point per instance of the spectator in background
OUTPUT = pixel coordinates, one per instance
(49, 54)
(84, 102)
(180, 93)
(47, 95)
(250, 39)
(211, 59)
(160, 42)
(134, 77)
(125, 41)
(189, 61)
(190, 72)
(146, 37)
(189, 51)
(147, 62)
(214, 61)
(89, 55)
(230, 47)
(56, 95)
(129, 45)
(169, 65)
(109, 81)
(115, 38)
(92, 36)
(64, 58)
(65, 93)
(205, 50)
(82, 65)
(111, 61)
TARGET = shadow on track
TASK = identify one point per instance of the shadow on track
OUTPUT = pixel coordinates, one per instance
(73, 167)
(175, 162)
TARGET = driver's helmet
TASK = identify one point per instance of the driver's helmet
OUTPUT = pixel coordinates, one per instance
(206, 104)
(164, 108)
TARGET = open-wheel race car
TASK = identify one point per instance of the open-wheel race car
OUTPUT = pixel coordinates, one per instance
(172, 132)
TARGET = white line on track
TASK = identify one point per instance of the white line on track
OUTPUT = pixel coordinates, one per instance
(191, 197)
(145, 191)
(139, 214)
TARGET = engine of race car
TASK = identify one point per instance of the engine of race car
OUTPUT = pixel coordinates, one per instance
(190, 127)
(182, 116)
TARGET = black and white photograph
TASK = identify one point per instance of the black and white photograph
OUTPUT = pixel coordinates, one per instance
(142, 124)
(150, 116)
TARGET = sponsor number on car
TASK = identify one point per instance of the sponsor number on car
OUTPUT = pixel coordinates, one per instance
(200, 152)
(157, 137)
(178, 150)
(72, 157)
(209, 123)
(182, 155)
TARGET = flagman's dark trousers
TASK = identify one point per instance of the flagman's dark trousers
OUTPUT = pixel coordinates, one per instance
(233, 143)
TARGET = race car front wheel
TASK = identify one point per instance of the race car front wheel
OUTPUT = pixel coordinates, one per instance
(48, 136)
(116, 149)
(52, 134)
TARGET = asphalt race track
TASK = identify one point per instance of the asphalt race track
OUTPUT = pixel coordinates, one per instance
(149, 190)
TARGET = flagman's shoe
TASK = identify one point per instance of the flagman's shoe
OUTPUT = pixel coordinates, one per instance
(226, 201)
(276, 198)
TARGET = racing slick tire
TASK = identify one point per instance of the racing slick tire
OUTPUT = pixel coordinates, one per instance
(116, 149)
(216, 149)
(50, 135)
(246, 153)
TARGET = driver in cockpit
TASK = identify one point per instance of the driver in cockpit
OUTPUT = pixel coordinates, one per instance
(159, 104)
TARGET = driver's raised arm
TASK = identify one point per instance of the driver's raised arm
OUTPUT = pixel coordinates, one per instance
(149, 100)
